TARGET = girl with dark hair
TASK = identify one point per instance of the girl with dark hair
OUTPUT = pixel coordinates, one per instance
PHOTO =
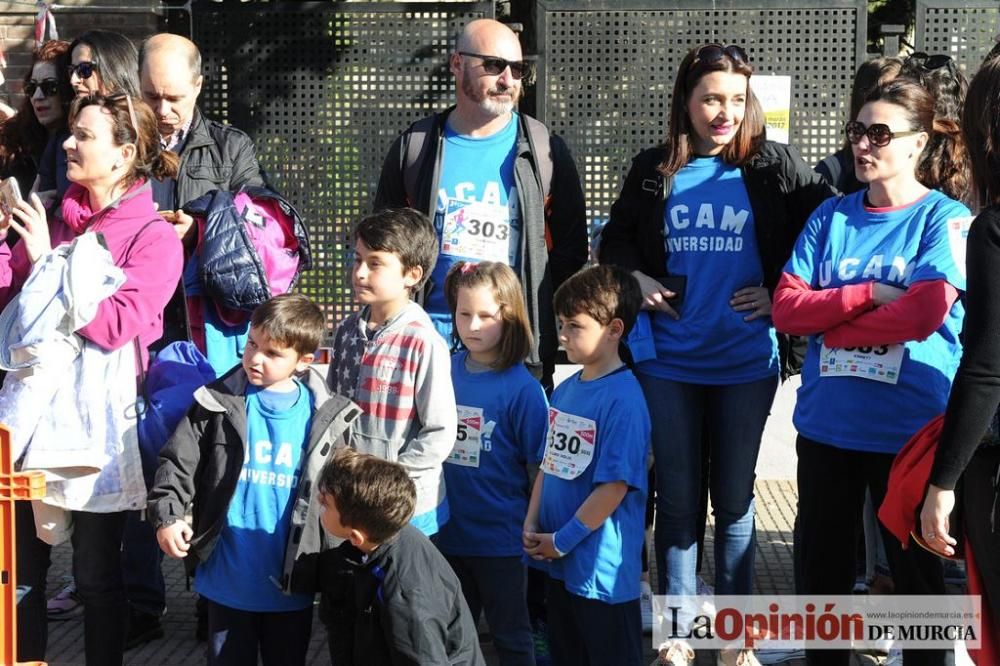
(705, 223)
(113, 150)
(874, 284)
(47, 95)
(969, 448)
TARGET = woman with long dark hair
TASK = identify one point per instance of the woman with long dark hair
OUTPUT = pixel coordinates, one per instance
(42, 115)
(705, 223)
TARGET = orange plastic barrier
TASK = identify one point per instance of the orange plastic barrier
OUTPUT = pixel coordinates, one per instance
(13, 486)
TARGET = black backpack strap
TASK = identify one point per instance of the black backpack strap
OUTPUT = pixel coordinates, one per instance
(412, 154)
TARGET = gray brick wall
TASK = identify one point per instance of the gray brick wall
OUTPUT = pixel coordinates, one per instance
(17, 30)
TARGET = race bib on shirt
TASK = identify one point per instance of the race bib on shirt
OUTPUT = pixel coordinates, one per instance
(958, 235)
(879, 363)
(468, 440)
(570, 447)
(477, 230)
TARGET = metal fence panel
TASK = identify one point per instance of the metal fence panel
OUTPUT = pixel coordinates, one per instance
(606, 72)
(964, 30)
(323, 88)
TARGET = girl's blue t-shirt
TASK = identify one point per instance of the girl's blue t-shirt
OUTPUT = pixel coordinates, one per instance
(477, 213)
(710, 237)
(603, 427)
(845, 243)
(246, 566)
(503, 418)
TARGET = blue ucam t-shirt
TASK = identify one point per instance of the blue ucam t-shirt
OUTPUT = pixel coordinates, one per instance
(710, 238)
(502, 422)
(598, 433)
(478, 216)
(245, 568)
(845, 243)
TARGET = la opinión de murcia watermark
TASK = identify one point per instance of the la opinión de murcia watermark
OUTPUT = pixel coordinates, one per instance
(818, 622)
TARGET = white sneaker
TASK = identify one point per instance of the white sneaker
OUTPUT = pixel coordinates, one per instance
(737, 657)
(66, 605)
(674, 653)
(646, 606)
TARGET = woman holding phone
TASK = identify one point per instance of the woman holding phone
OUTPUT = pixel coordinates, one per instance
(705, 223)
(113, 150)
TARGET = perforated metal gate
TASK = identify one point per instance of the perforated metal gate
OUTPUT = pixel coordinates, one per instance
(606, 72)
(323, 89)
(964, 30)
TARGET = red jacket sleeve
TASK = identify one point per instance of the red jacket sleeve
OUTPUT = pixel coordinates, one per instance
(799, 309)
(913, 316)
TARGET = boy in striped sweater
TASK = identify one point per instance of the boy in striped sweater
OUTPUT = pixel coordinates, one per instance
(390, 360)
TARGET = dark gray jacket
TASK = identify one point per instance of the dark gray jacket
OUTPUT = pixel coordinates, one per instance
(202, 461)
(554, 239)
(215, 157)
(401, 606)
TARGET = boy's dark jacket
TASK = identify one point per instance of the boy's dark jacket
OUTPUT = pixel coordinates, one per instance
(402, 606)
(203, 459)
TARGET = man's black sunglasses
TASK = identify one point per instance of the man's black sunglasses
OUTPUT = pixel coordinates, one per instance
(495, 66)
(878, 133)
(49, 87)
(714, 52)
(930, 62)
(84, 69)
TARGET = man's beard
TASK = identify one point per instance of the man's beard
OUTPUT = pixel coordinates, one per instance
(485, 99)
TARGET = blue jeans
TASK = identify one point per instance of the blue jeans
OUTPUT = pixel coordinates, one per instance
(141, 560)
(736, 416)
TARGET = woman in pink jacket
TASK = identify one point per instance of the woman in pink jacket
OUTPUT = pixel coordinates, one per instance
(112, 151)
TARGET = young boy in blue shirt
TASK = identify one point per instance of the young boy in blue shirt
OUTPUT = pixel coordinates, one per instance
(587, 507)
(249, 451)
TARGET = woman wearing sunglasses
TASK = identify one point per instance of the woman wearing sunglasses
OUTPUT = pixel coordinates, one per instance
(705, 223)
(101, 62)
(874, 284)
(114, 149)
(47, 95)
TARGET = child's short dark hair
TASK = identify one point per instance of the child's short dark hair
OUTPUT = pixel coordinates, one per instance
(405, 232)
(291, 320)
(372, 495)
(604, 292)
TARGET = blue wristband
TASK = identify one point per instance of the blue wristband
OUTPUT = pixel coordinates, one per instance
(570, 535)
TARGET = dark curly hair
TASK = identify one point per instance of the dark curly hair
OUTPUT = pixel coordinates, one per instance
(22, 137)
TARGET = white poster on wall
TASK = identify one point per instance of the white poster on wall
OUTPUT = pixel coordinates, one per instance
(775, 95)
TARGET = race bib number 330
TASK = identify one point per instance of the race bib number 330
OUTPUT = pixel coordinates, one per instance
(570, 447)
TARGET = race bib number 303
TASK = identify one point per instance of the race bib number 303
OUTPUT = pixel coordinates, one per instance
(880, 363)
(476, 230)
(570, 447)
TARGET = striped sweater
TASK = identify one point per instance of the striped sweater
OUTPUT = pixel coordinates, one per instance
(400, 376)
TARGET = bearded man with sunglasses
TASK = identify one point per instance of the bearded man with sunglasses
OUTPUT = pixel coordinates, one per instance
(498, 186)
